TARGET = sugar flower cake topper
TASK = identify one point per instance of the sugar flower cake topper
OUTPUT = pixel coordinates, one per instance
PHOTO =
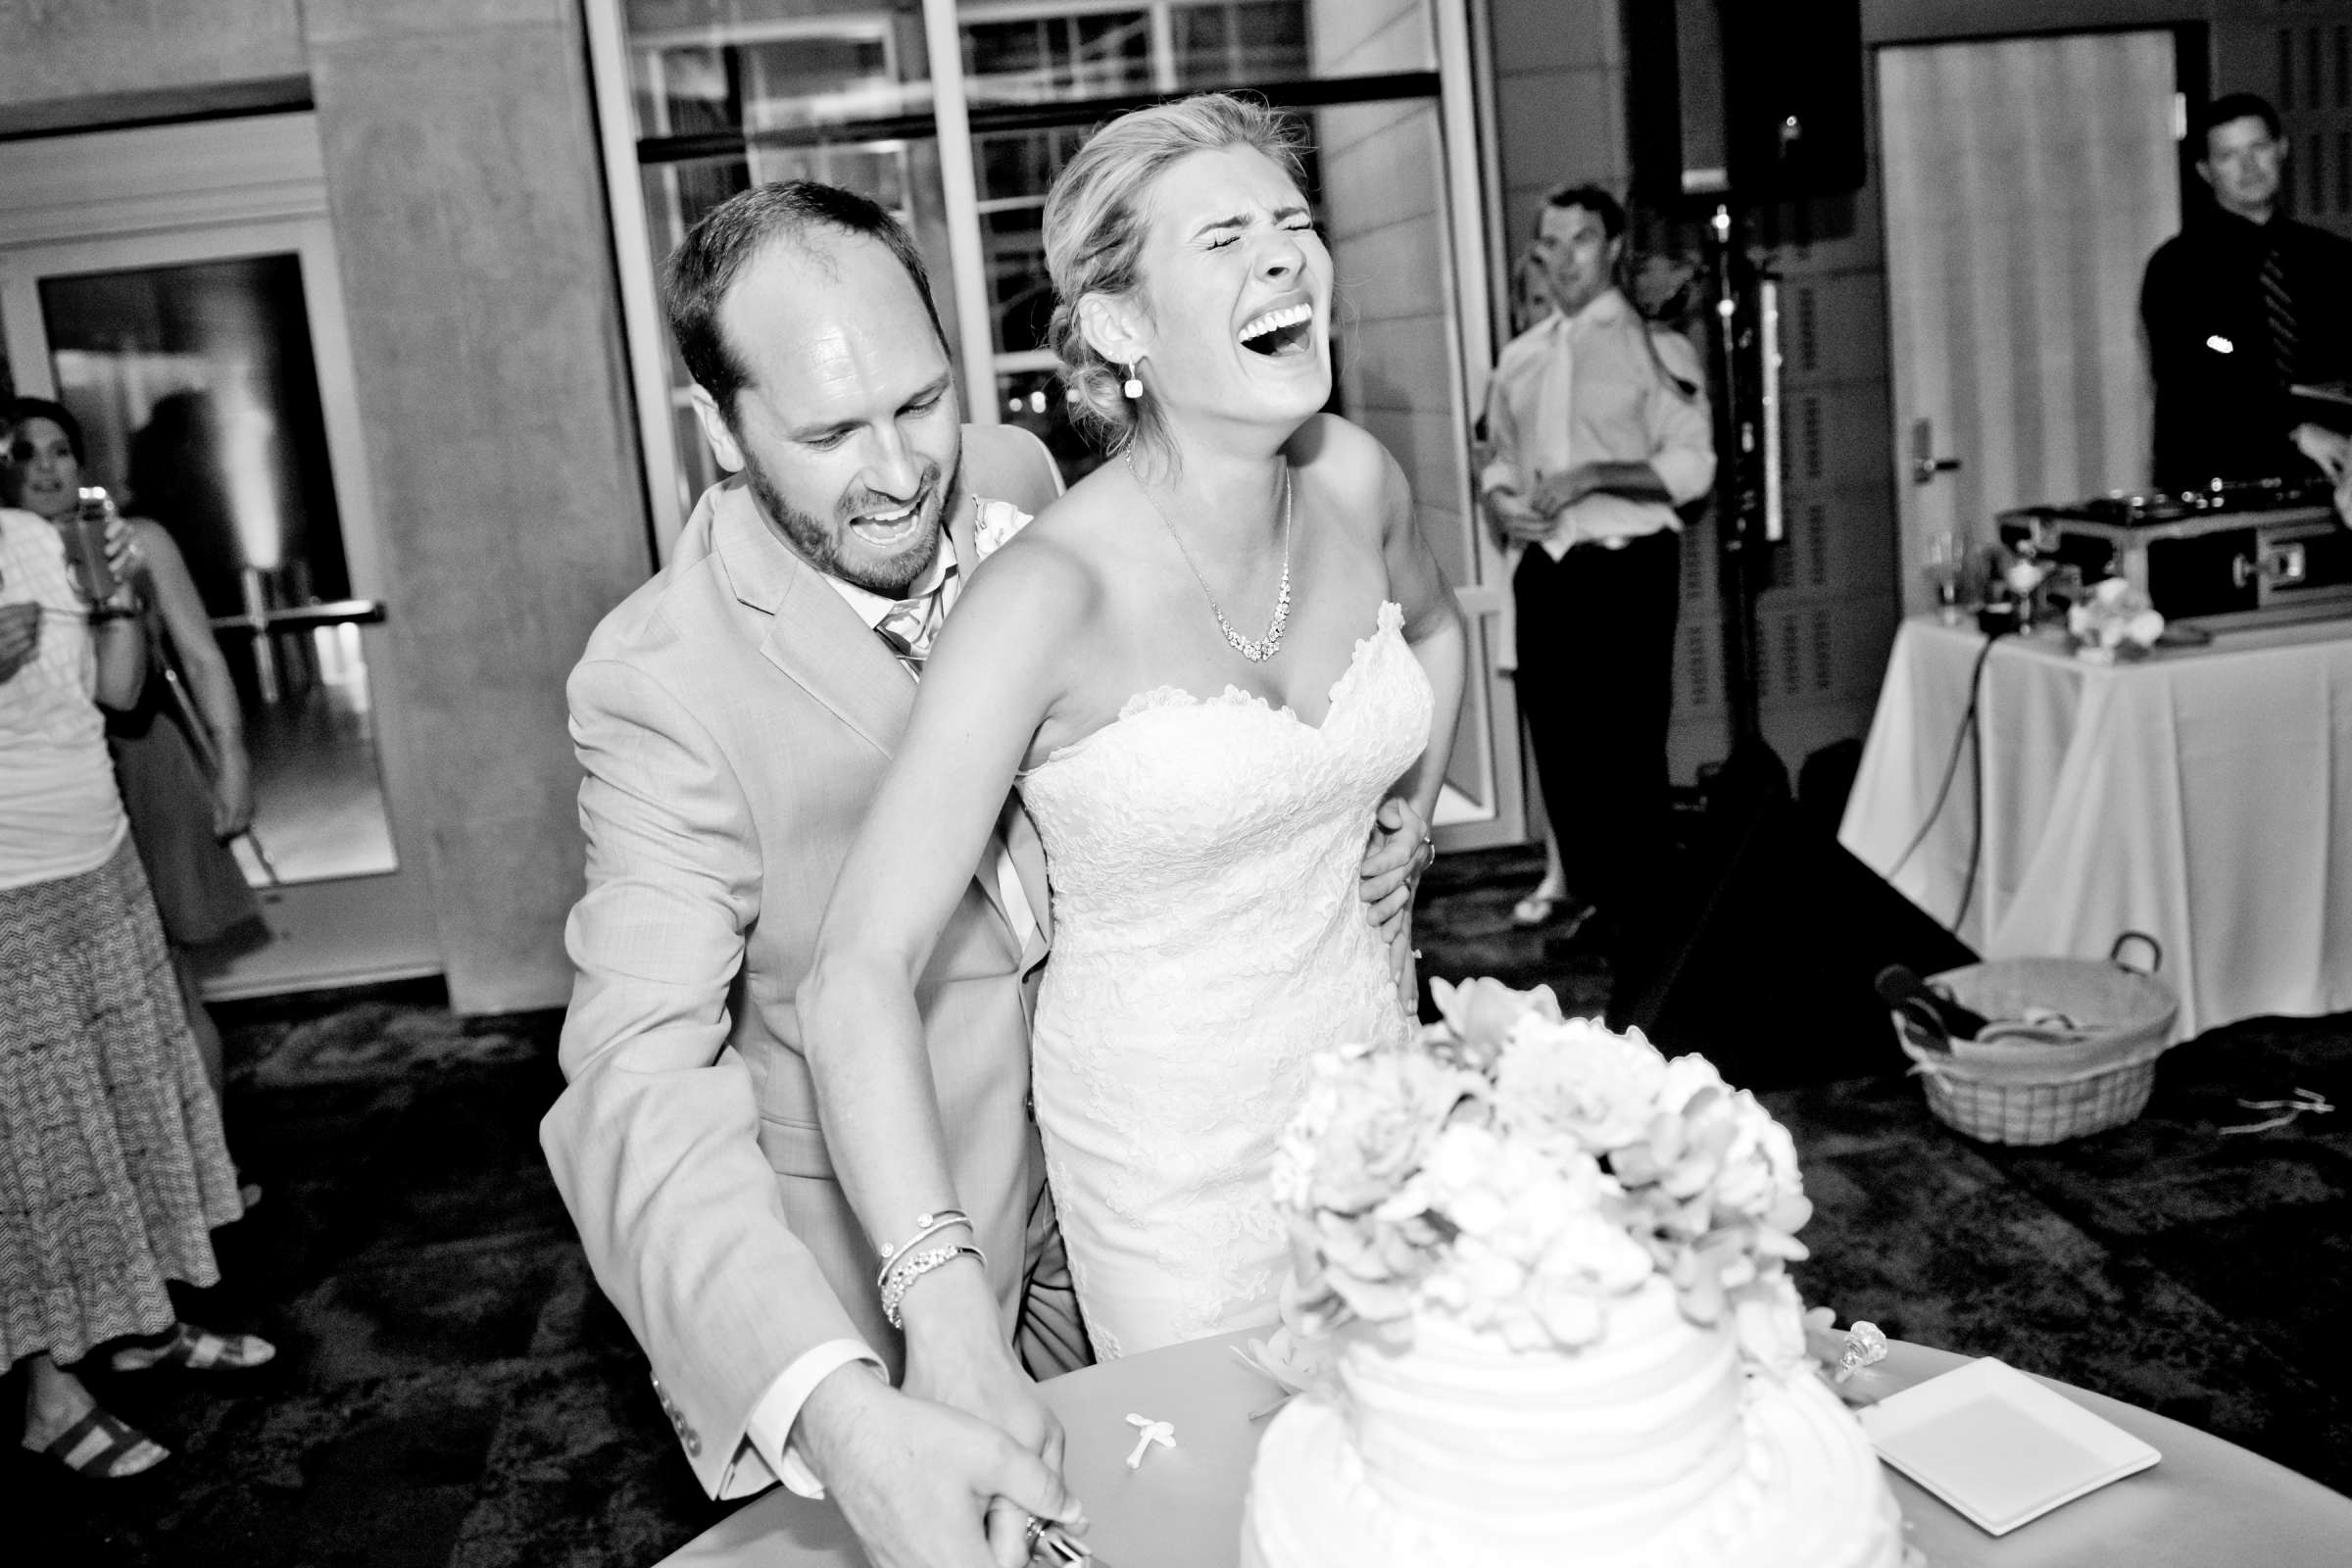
(1519, 1170)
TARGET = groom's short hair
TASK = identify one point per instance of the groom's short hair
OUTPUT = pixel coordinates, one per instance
(698, 273)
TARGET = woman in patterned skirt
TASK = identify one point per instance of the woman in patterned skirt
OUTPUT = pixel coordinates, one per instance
(184, 810)
(112, 1167)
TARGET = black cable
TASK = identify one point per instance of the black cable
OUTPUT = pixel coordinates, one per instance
(1951, 767)
(1976, 836)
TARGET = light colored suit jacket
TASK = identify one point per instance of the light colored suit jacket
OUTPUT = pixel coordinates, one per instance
(734, 719)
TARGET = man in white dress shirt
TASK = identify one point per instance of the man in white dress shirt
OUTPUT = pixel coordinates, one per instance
(1599, 431)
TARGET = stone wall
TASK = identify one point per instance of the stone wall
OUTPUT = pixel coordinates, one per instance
(78, 64)
(477, 263)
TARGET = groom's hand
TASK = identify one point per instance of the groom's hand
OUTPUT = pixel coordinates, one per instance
(1398, 852)
(1404, 962)
(924, 1486)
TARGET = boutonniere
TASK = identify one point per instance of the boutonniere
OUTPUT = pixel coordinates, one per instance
(998, 521)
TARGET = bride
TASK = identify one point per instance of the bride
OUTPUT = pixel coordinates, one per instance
(1205, 669)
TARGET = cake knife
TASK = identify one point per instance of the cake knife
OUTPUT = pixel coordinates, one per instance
(1054, 1548)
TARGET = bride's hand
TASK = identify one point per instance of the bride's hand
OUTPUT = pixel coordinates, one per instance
(958, 1355)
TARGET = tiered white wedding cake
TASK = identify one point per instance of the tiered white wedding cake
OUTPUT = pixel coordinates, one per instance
(1538, 1275)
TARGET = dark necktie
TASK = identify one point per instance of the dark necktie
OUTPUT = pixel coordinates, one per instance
(911, 626)
(2279, 312)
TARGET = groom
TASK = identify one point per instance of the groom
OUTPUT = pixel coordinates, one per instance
(733, 717)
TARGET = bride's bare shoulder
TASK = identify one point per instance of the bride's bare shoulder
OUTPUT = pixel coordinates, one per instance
(1085, 522)
(1347, 463)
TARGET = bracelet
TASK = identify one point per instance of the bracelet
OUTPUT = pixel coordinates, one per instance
(914, 1267)
(926, 1226)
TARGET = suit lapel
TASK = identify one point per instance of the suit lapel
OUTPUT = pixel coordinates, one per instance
(815, 638)
(961, 539)
(813, 635)
(1028, 855)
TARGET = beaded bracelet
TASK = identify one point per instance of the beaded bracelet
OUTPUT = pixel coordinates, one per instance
(926, 1226)
(913, 1266)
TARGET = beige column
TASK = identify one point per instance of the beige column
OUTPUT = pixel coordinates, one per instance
(478, 280)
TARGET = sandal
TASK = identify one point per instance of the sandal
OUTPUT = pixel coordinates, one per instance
(197, 1349)
(102, 1447)
(1537, 908)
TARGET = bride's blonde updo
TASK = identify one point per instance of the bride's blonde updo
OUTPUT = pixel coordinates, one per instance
(1095, 223)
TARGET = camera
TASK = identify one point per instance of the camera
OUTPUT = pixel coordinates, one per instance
(86, 546)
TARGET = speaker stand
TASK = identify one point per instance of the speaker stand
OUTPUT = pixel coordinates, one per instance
(1747, 502)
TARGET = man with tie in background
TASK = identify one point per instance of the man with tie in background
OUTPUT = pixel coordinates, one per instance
(2240, 305)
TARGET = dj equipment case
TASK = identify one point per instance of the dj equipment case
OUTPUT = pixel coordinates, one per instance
(2232, 556)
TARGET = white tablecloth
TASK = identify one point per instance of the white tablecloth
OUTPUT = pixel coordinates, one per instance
(2203, 796)
(2206, 1503)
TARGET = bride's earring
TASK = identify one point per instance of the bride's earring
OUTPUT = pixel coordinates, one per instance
(1133, 388)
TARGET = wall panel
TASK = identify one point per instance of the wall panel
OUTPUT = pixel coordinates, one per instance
(485, 325)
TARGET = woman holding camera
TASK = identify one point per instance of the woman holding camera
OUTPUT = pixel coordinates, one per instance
(183, 808)
(112, 1166)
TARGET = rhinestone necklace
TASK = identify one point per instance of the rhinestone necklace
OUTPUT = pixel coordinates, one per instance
(1256, 650)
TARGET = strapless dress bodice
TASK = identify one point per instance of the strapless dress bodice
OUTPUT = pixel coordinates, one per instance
(1209, 939)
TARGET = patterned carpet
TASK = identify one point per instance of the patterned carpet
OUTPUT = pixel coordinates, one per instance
(452, 1391)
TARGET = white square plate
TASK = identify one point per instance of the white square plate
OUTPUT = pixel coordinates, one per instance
(1997, 1445)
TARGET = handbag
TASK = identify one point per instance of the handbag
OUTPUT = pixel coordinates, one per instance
(178, 705)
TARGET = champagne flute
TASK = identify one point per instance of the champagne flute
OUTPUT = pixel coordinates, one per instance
(1946, 557)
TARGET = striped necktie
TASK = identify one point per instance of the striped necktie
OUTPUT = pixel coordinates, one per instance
(911, 626)
(2279, 312)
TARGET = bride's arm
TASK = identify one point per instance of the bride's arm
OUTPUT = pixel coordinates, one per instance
(1433, 629)
(988, 684)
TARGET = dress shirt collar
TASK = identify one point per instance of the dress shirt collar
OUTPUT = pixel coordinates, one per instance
(871, 606)
(1604, 309)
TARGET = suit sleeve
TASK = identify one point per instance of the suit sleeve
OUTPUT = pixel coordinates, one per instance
(654, 1142)
(2175, 344)
(2331, 354)
(1007, 463)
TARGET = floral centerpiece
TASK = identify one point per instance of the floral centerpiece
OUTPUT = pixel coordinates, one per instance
(1518, 1170)
(2116, 621)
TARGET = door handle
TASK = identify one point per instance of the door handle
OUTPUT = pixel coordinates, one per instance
(301, 617)
(1924, 464)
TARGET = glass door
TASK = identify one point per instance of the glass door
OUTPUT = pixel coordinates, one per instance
(209, 371)
(959, 114)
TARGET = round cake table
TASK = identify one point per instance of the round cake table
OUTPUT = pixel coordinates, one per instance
(2206, 1503)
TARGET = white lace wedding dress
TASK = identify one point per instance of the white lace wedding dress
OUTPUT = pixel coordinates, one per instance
(1207, 940)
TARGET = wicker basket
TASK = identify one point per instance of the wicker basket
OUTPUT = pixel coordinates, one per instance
(2015, 1092)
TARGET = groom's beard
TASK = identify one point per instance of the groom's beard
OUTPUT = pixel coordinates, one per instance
(819, 543)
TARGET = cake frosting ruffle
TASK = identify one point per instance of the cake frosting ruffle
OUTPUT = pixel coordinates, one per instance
(1660, 1446)
(1540, 1288)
